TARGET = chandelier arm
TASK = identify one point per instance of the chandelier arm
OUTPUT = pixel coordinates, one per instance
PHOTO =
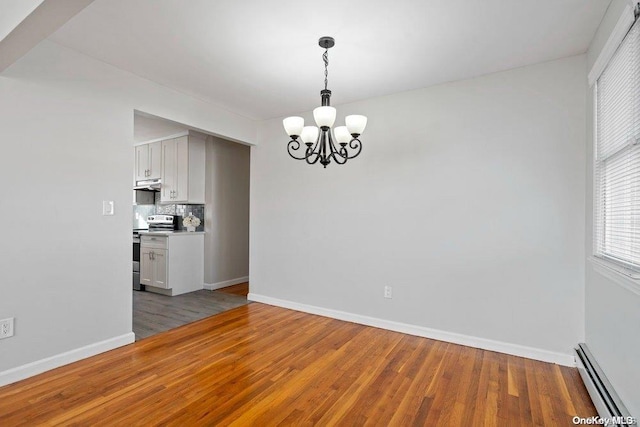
(355, 144)
(337, 155)
(314, 161)
(313, 151)
(294, 145)
(339, 158)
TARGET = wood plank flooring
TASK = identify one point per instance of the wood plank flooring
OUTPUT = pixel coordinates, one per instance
(262, 365)
(155, 313)
(241, 289)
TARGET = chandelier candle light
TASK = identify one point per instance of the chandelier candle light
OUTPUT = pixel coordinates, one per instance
(320, 142)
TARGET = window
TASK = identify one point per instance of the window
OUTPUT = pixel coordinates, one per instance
(617, 157)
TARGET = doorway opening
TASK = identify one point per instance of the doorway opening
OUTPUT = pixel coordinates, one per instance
(190, 221)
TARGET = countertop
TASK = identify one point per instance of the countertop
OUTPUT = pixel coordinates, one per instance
(170, 233)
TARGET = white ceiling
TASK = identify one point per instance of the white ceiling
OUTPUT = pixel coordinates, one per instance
(14, 12)
(261, 59)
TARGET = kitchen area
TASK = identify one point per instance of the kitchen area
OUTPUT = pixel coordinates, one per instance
(189, 224)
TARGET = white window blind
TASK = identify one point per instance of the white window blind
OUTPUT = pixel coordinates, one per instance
(617, 157)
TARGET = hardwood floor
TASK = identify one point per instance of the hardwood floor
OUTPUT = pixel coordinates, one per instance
(154, 313)
(262, 365)
(241, 289)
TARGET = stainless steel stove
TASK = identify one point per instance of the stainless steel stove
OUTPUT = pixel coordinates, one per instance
(136, 259)
(164, 222)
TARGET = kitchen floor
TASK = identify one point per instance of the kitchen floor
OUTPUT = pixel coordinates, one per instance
(154, 313)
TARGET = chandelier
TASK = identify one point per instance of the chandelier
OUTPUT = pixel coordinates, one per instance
(319, 141)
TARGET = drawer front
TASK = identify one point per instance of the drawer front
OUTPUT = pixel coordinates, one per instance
(158, 242)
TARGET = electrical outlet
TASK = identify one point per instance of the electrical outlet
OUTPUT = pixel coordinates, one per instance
(388, 292)
(6, 328)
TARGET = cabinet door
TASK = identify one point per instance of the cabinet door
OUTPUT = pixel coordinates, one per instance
(160, 268)
(155, 160)
(142, 162)
(146, 266)
(168, 170)
(182, 170)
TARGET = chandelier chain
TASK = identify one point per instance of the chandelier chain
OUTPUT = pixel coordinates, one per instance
(325, 57)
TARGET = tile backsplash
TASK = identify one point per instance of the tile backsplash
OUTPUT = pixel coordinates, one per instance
(183, 210)
(141, 212)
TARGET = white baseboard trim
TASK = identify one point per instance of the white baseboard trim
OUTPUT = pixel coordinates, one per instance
(39, 366)
(421, 331)
(220, 285)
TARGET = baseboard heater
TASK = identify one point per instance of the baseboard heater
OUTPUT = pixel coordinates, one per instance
(600, 390)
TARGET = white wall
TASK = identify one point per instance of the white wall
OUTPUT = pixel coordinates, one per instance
(612, 309)
(146, 128)
(66, 131)
(468, 199)
(226, 213)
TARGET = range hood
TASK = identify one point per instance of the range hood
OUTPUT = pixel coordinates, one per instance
(148, 185)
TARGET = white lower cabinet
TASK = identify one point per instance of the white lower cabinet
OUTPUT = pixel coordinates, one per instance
(160, 268)
(173, 264)
(153, 267)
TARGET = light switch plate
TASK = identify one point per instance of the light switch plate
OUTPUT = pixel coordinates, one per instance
(107, 207)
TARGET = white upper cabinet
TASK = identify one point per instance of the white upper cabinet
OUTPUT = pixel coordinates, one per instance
(142, 153)
(169, 171)
(148, 158)
(183, 170)
(155, 160)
